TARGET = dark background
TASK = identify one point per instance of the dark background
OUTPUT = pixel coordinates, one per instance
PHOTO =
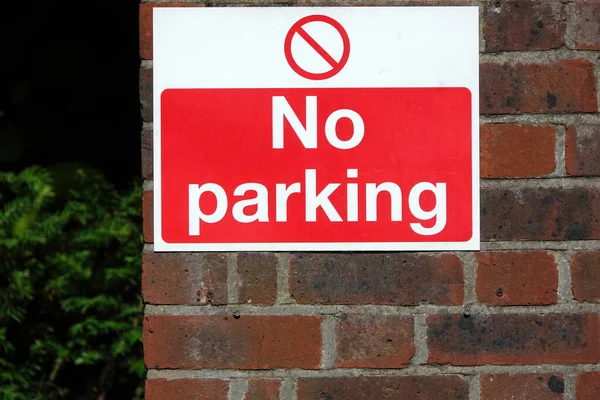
(69, 85)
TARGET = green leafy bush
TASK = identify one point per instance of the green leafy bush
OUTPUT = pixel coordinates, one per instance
(70, 309)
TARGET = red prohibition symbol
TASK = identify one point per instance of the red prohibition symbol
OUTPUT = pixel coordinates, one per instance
(336, 65)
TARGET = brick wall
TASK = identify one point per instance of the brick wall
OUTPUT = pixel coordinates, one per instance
(519, 319)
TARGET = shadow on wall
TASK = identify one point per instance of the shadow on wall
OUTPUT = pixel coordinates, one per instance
(69, 85)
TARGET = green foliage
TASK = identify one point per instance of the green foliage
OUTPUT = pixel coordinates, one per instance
(70, 309)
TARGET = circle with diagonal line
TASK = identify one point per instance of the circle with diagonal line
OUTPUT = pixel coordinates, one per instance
(330, 49)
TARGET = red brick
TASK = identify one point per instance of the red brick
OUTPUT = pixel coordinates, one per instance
(146, 94)
(540, 213)
(523, 25)
(562, 86)
(383, 388)
(587, 21)
(146, 24)
(585, 276)
(263, 389)
(522, 386)
(187, 389)
(496, 88)
(513, 339)
(222, 341)
(148, 215)
(147, 154)
(257, 277)
(588, 386)
(374, 341)
(516, 278)
(376, 278)
(517, 151)
(184, 278)
(583, 150)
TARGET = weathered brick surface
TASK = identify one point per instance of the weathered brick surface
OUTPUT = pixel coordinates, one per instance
(587, 21)
(522, 386)
(560, 213)
(523, 25)
(376, 278)
(513, 339)
(561, 86)
(148, 215)
(187, 389)
(146, 23)
(585, 276)
(184, 278)
(583, 150)
(374, 341)
(257, 277)
(223, 341)
(588, 386)
(263, 389)
(384, 388)
(146, 94)
(541, 80)
(517, 151)
(147, 154)
(516, 278)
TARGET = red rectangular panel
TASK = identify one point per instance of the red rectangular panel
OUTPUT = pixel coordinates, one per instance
(225, 137)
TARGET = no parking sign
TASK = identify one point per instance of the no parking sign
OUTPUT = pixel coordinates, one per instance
(316, 128)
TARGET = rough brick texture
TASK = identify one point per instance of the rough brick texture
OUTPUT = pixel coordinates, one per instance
(585, 276)
(184, 278)
(384, 388)
(588, 386)
(587, 21)
(225, 341)
(263, 389)
(583, 150)
(374, 341)
(146, 94)
(147, 154)
(513, 339)
(523, 25)
(516, 320)
(187, 389)
(557, 213)
(562, 86)
(257, 278)
(378, 278)
(516, 278)
(148, 215)
(522, 386)
(517, 151)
